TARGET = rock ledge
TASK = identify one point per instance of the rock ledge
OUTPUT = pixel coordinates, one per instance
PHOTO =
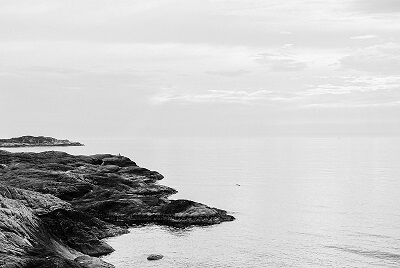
(55, 208)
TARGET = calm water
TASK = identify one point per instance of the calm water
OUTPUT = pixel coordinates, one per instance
(300, 203)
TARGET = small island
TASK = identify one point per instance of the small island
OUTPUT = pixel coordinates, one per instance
(32, 141)
(55, 208)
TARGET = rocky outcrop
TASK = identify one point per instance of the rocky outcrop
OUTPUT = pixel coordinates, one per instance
(32, 141)
(55, 208)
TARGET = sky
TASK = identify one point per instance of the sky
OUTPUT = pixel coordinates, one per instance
(185, 68)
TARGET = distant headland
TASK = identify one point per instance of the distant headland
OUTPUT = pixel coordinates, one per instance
(32, 141)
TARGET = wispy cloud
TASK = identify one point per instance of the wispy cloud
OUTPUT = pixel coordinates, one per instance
(218, 96)
(364, 37)
(349, 90)
(228, 73)
(279, 62)
(351, 84)
(357, 91)
(383, 58)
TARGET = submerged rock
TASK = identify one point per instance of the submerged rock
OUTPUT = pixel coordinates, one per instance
(55, 208)
(154, 257)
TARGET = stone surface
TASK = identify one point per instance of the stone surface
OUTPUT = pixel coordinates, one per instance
(90, 262)
(55, 208)
(32, 141)
(154, 257)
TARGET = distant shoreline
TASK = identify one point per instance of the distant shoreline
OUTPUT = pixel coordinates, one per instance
(36, 141)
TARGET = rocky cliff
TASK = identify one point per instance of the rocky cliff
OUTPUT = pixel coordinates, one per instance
(55, 208)
(30, 141)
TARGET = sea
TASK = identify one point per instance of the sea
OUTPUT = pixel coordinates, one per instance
(298, 202)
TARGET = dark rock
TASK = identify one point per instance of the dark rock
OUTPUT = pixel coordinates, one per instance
(24, 240)
(154, 257)
(55, 208)
(110, 168)
(80, 231)
(120, 161)
(32, 141)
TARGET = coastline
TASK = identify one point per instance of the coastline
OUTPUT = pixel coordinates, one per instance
(39, 141)
(73, 202)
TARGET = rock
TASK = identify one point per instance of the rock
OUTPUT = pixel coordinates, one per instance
(55, 208)
(120, 161)
(90, 262)
(32, 141)
(110, 168)
(25, 242)
(154, 257)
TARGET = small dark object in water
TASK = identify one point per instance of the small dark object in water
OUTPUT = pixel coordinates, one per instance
(154, 257)
(237, 184)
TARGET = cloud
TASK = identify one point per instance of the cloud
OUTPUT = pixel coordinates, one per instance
(355, 84)
(358, 91)
(384, 58)
(364, 37)
(217, 96)
(377, 6)
(278, 62)
(354, 91)
(228, 73)
(328, 89)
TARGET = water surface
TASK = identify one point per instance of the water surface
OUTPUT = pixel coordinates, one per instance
(298, 202)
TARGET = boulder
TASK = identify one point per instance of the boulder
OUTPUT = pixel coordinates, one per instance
(154, 257)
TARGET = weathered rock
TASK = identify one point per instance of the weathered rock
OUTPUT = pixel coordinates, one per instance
(56, 207)
(32, 141)
(25, 242)
(80, 231)
(40, 230)
(120, 161)
(90, 262)
(154, 257)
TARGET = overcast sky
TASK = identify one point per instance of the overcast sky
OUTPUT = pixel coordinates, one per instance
(96, 68)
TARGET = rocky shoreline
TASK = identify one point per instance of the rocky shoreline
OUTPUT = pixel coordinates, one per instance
(55, 208)
(32, 141)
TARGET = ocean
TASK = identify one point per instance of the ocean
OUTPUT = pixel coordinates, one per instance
(298, 202)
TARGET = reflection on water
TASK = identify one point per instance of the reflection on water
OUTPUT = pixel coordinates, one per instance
(300, 203)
